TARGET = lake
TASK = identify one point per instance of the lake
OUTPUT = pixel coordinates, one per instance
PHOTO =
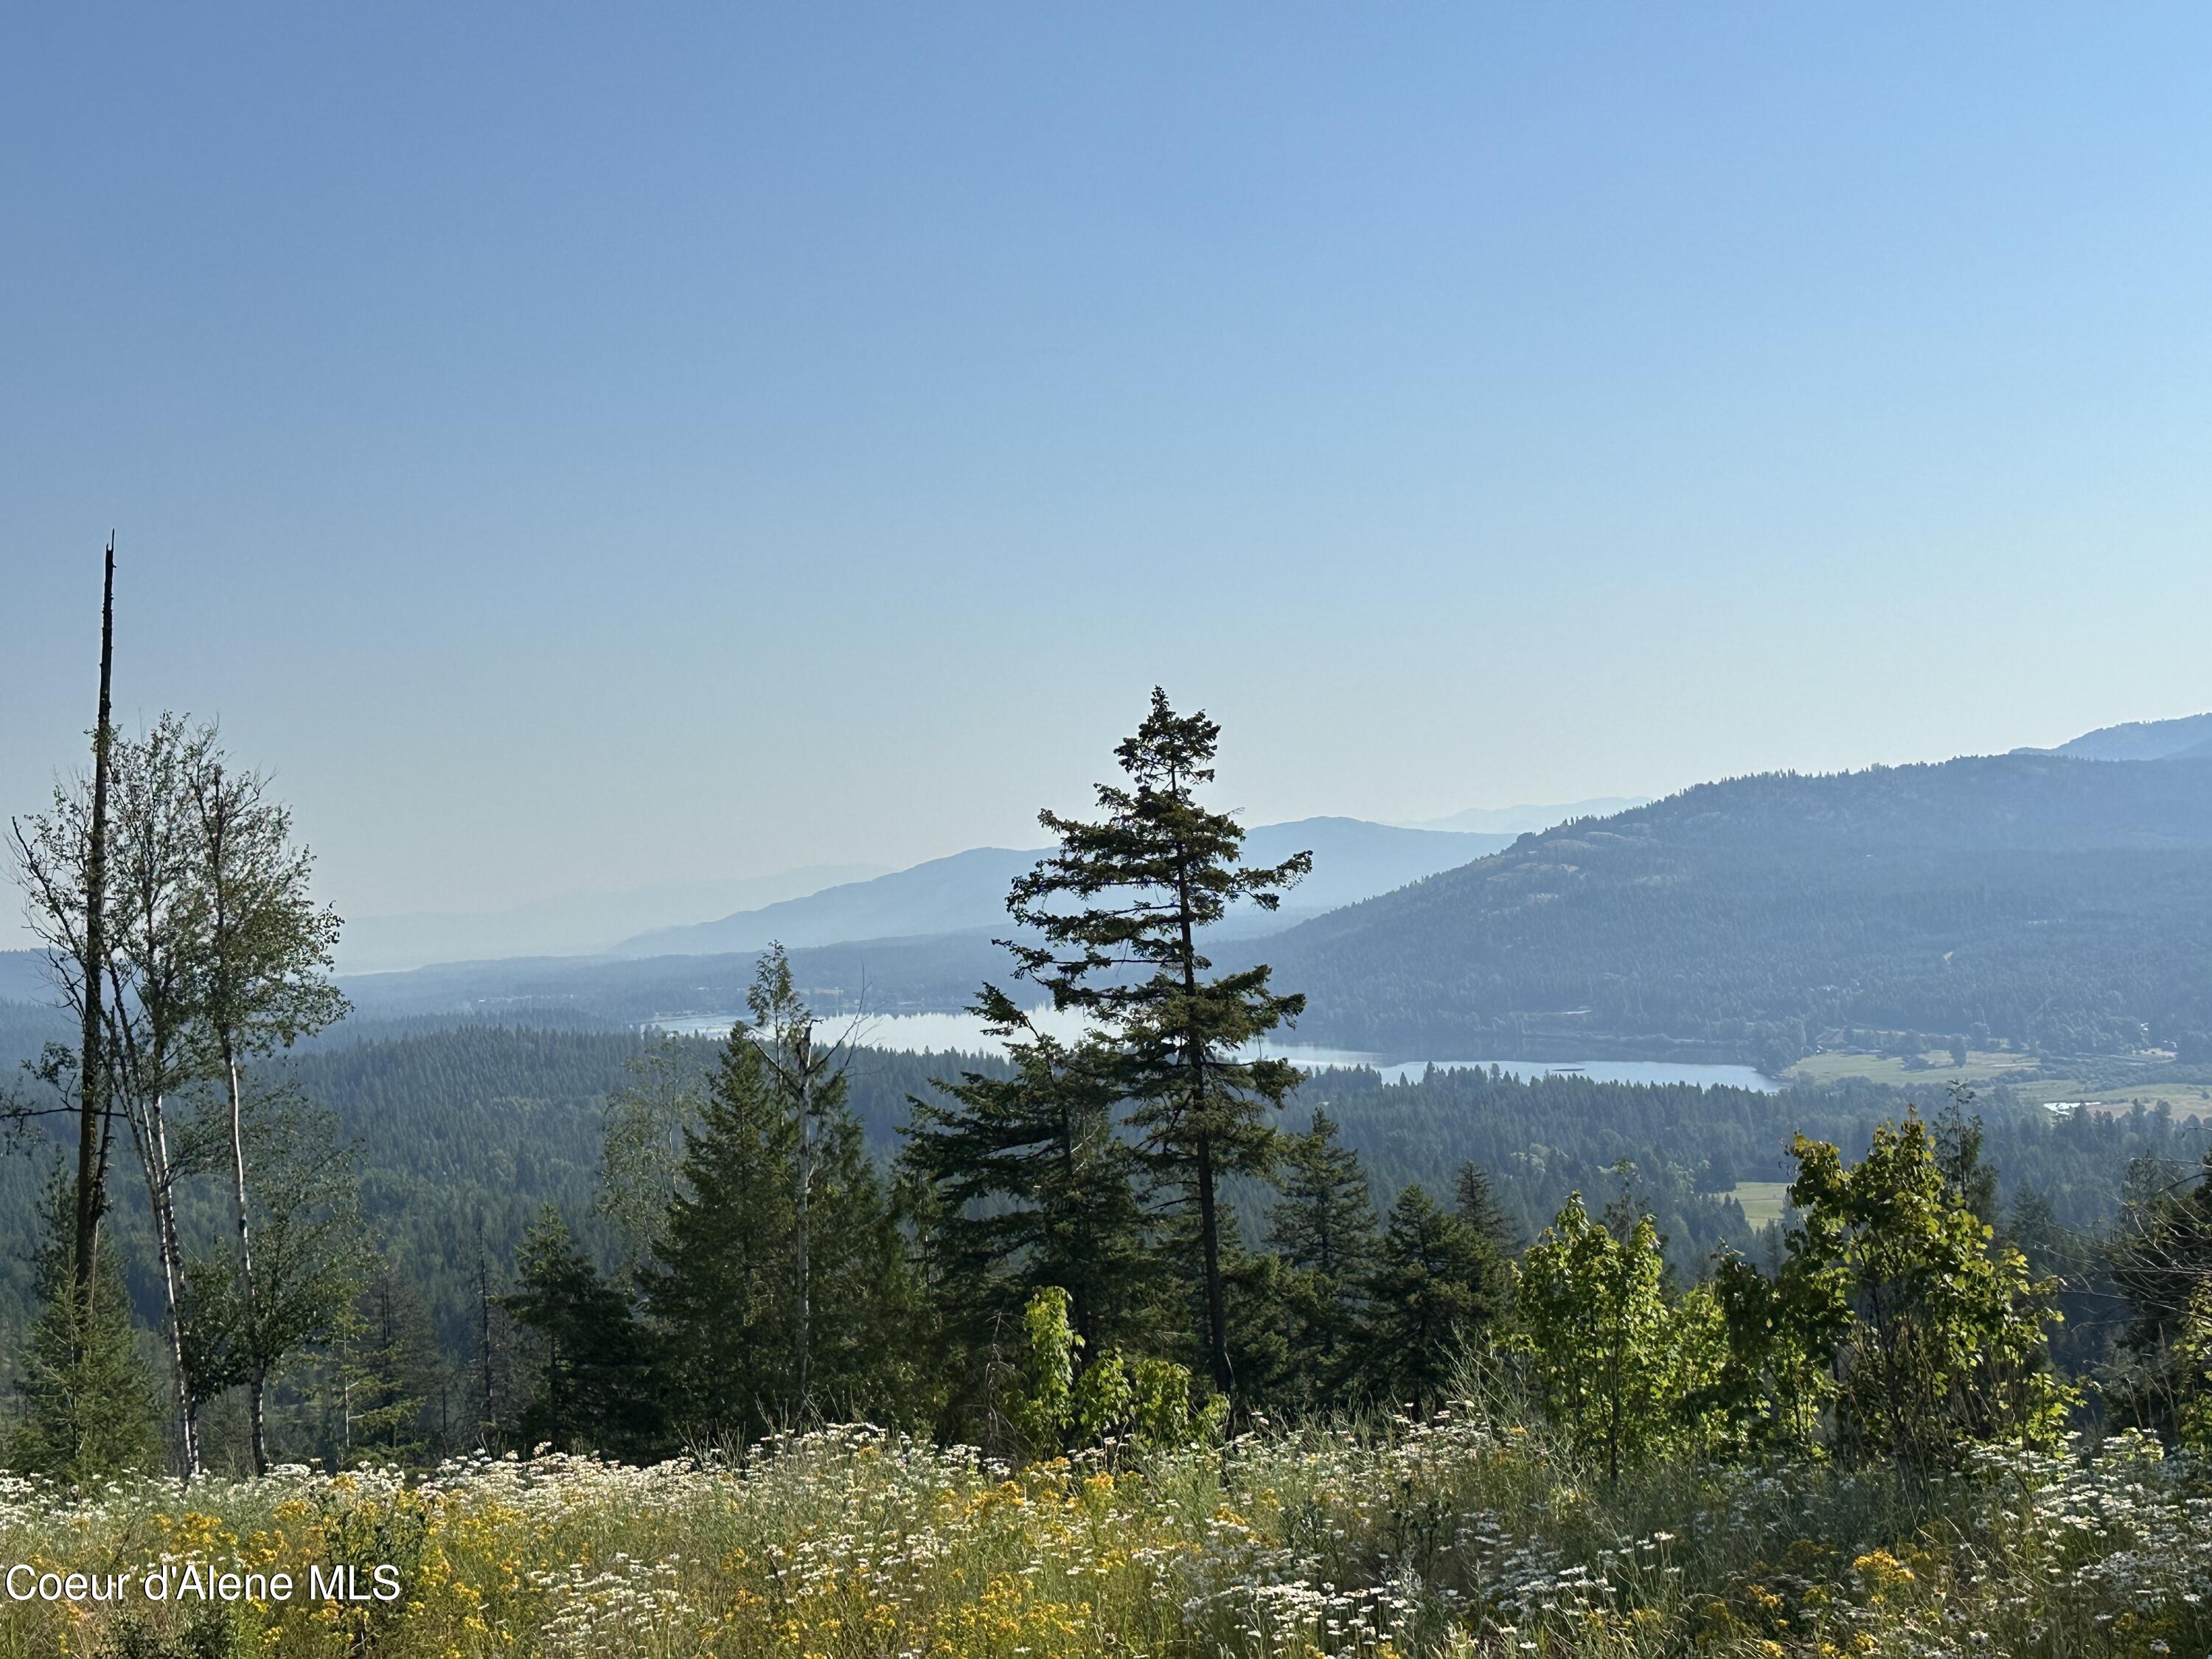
(964, 1034)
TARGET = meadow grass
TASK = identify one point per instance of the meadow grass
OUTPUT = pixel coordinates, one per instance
(1762, 1200)
(1449, 1536)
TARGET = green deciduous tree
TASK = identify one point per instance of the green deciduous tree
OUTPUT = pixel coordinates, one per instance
(641, 1151)
(1944, 1345)
(158, 937)
(1120, 909)
(1593, 1317)
(263, 978)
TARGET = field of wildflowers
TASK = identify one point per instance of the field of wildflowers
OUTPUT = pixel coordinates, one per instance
(1446, 1536)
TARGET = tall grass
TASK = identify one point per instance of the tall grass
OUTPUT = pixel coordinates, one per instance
(1452, 1536)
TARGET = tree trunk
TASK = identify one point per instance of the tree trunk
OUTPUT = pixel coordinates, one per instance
(804, 1334)
(484, 1420)
(92, 1066)
(255, 1379)
(1209, 1230)
(161, 1193)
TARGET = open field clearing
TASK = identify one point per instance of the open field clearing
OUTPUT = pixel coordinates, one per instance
(1444, 1538)
(1763, 1201)
(1982, 1069)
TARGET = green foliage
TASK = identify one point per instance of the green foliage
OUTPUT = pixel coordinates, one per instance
(83, 1390)
(1438, 1284)
(1945, 1344)
(1031, 1185)
(387, 1366)
(641, 1147)
(1052, 1406)
(1148, 876)
(593, 1388)
(1040, 1397)
(782, 1283)
(1610, 1359)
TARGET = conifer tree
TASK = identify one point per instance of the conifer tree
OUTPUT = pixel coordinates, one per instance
(719, 1289)
(1147, 878)
(1324, 1222)
(389, 1367)
(1437, 1284)
(594, 1387)
(737, 1359)
(1475, 1202)
(85, 1402)
(1322, 1230)
(1033, 1187)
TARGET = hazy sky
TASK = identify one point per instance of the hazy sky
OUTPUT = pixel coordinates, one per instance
(581, 446)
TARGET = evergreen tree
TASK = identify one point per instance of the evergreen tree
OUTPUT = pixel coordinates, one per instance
(1437, 1285)
(1321, 1230)
(720, 1290)
(1475, 1202)
(593, 1385)
(2160, 1258)
(389, 1369)
(1165, 868)
(85, 1399)
(1032, 1188)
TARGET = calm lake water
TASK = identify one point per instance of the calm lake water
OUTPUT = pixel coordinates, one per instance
(964, 1034)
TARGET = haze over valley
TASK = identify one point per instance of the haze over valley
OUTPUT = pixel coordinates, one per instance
(1219, 832)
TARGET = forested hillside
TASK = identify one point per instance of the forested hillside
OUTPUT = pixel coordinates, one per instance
(2057, 904)
(465, 1134)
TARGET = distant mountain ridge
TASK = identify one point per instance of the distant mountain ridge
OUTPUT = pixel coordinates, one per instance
(2188, 738)
(2064, 903)
(1523, 820)
(577, 924)
(966, 892)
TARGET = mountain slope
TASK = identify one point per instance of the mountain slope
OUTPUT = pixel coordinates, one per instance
(967, 892)
(2059, 902)
(2139, 740)
(1523, 820)
(577, 924)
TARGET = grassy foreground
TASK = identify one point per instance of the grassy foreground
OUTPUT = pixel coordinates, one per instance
(1444, 1537)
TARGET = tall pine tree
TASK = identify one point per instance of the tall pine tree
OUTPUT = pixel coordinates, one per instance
(593, 1384)
(1146, 879)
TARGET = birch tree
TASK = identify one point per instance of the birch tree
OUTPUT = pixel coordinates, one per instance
(263, 980)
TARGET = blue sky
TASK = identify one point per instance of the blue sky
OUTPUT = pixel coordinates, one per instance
(575, 447)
